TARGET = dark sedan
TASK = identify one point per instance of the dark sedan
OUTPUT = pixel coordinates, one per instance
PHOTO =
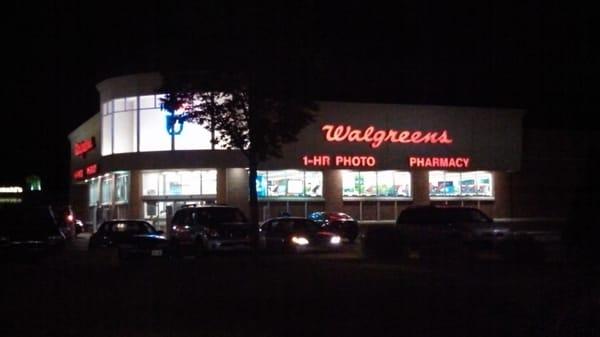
(131, 238)
(337, 222)
(296, 234)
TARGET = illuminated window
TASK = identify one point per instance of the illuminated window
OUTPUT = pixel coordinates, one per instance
(107, 135)
(107, 190)
(395, 184)
(119, 104)
(94, 195)
(289, 183)
(151, 184)
(125, 132)
(193, 137)
(209, 182)
(131, 103)
(219, 145)
(153, 132)
(197, 182)
(147, 102)
(460, 184)
(121, 188)
(120, 133)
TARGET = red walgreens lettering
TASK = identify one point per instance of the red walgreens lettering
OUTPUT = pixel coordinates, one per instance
(346, 133)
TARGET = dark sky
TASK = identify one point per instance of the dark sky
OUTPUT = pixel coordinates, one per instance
(535, 55)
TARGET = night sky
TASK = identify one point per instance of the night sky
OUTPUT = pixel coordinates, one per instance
(534, 55)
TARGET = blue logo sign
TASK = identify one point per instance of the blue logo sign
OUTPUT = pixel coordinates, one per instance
(174, 122)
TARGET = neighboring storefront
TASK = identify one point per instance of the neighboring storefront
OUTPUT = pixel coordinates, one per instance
(369, 160)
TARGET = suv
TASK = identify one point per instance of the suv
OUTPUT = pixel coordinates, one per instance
(199, 229)
(29, 231)
(448, 229)
(437, 231)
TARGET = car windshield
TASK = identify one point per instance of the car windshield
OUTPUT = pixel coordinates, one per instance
(130, 227)
(305, 225)
(26, 216)
(463, 215)
(443, 216)
(221, 215)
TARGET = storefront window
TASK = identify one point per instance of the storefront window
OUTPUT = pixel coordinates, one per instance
(193, 137)
(151, 184)
(198, 182)
(147, 102)
(107, 135)
(107, 190)
(460, 184)
(393, 184)
(153, 132)
(94, 190)
(376, 184)
(125, 132)
(289, 183)
(122, 188)
(119, 104)
(120, 133)
(131, 103)
(209, 182)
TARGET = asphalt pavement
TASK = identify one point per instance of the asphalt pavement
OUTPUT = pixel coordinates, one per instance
(339, 294)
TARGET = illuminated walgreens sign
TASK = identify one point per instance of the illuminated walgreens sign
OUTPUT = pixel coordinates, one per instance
(439, 162)
(375, 137)
(84, 146)
(88, 172)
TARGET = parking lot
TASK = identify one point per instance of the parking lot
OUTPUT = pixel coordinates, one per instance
(332, 294)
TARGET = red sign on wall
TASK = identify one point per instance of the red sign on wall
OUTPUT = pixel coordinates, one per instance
(84, 146)
(339, 161)
(346, 133)
(91, 170)
(87, 172)
(439, 162)
(78, 174)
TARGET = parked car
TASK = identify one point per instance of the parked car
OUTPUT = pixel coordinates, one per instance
(432, 231)
(337, 222)
(130, 238)
(29, 231)
(200, 229)
(296, 234)
(444, 231)
(67, 223)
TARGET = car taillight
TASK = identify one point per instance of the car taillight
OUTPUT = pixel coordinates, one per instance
(213, 233)
(70, 217)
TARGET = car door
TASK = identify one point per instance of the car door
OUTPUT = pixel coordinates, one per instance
(101, 238)
(276, 235)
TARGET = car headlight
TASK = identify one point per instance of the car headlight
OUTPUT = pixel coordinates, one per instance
(299, 240)
(335, 240)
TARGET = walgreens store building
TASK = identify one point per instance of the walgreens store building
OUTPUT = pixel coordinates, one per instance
(368, 160)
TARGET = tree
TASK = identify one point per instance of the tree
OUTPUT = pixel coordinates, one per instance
(253, 115)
